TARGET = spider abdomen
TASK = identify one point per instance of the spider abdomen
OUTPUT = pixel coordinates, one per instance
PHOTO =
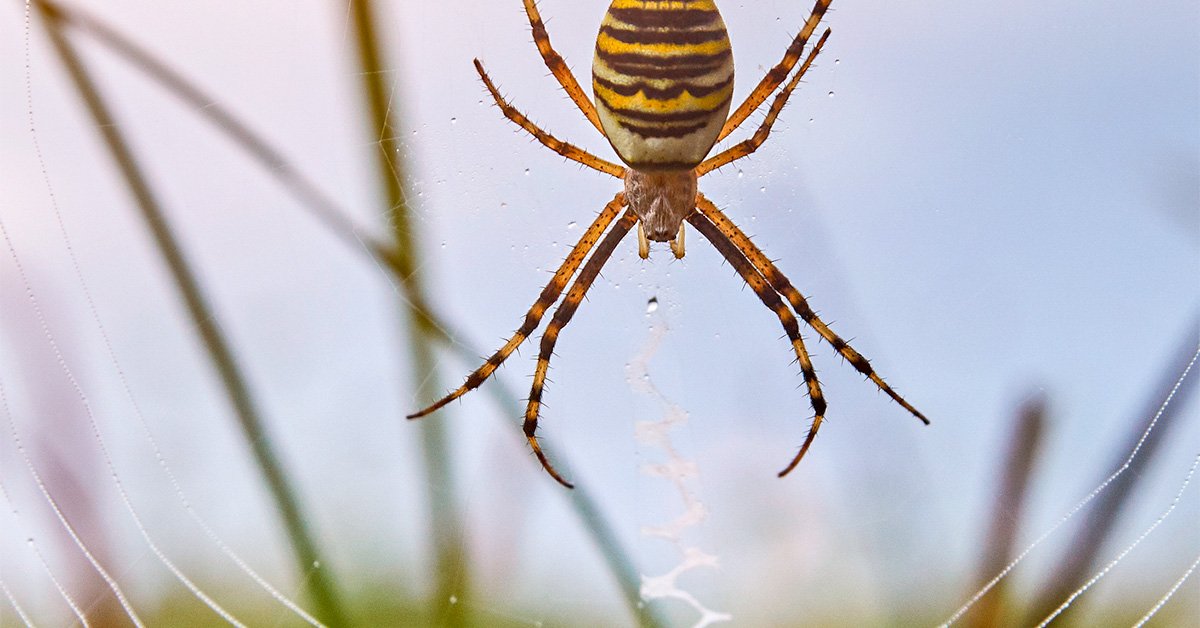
(663, 80)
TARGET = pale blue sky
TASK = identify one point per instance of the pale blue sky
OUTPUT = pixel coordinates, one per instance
(991, 199)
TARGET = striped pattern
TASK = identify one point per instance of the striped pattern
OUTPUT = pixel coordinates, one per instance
(663, 79)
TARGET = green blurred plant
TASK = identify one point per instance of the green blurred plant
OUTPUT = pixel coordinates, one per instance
(425, 331)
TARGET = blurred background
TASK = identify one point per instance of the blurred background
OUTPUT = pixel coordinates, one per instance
(997, 203)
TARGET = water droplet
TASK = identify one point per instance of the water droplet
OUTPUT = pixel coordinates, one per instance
(503, 205)
(572, 225)
(454, 599)
(831, 93)
(741, 174)
(527, 169)
(652, 305)
(453, 120)
(763, 189)
(837, 61)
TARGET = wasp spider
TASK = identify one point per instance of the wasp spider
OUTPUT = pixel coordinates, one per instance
(662, 77)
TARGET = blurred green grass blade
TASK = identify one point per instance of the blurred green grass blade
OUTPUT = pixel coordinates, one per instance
(334, 218)
(317, 573)
(618, 562)
(1012, 492)
(274, 162)
(382, 107)
(590, 515)
(451, 579)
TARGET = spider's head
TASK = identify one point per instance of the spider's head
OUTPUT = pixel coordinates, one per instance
(661, 200)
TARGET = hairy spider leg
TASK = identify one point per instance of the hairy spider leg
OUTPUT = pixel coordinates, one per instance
(781, 284)
(747, 147)
(562, 316)
(534, 316)
(569, 151)
(770, 298)
(776, 76)
(558, 67)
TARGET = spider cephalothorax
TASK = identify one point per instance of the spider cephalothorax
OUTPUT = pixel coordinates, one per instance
(661, 201)
(663, 81)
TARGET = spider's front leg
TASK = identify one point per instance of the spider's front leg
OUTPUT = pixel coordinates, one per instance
(562, 316)
(570, 151)
(558, 67)
(776, 76)
(747, 147)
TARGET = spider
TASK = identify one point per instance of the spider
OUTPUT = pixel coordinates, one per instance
(662, 77)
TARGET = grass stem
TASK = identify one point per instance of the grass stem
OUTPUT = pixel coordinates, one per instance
(318, 576)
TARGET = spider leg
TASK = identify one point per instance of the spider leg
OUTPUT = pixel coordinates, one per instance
(558, 67)
(770, 298)
(776, 76)
(534, 316)
(562, 316)
(747, 147)
(569, 151)
(780, 283)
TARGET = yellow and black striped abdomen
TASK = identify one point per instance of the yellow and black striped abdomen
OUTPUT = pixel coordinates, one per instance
(663, 79)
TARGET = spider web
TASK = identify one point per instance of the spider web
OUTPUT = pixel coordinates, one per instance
(173, 517)
(676, 470)
(1101, 488)
(95, 429)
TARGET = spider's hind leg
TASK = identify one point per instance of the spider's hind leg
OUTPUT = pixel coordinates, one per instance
(771, 299)
(562, 316)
